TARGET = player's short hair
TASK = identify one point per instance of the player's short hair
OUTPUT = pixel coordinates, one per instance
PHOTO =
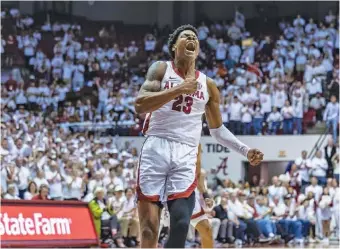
(173, 37)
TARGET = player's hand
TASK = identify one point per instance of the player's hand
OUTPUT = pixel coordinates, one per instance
(209, 202)
(189, 86)
(255, 157)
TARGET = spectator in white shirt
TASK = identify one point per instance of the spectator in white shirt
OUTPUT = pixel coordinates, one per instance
(78, 76)
(68, 69)
(234, 32)
(103, 95)
(319, 168)
(287, 114)
(266, 102)
(247, 117)
(95, 182)
(22, 177)
(149, 43)
(40, 178)
(318, 103)
(234, 52)
(221, 50)
(310, 25)
(55, 179)
(276, 190)
(330, 18)
(224, 109)
(112, 181)
(331, 116)
(274, 120)
(304, 165)
(129, 221)
(298, 110)
(299, 21)
(235, 116)
(32, 190)
(258, 118)
(73, 186)
(279, 98)
(133, 49)
(314, 188)
(203, 32)
(11, 193)
(212, 42)
(219, 81)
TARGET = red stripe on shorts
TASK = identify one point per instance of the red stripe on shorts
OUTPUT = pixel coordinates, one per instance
(200, 213)
(186, 193)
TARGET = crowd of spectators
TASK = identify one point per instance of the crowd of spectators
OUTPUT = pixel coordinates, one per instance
(274, 84)
(52, 109)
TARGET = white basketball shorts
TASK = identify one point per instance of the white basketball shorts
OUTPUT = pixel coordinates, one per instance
(198, 213)
(166, 170)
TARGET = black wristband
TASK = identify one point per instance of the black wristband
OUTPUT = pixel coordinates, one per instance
(206, 195)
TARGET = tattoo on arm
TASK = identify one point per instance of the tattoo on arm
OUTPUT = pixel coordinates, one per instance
(151, 86)
(153, 78)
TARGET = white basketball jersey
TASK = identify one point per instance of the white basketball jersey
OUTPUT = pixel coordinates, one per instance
(179, 120)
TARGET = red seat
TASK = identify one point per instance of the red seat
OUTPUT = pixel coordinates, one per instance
(309, 118)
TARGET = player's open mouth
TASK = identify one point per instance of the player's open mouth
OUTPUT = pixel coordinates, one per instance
(190, 46)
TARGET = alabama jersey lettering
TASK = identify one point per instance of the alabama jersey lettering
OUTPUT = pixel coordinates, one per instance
(179, 120)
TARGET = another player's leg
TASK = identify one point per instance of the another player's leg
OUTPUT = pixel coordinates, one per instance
(180, 214)
(205, 231)
(149, 218)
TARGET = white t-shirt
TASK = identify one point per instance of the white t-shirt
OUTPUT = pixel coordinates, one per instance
(287, 112)
(275, 191)
(316, 190)
(40, 181)
(319, 167)
(303, 166)
(202, 32)
(279, 98)
(266, 102)
(23, 177)
(150, 45)
(235, 111)
(247, 114)
(56, 188)
(274, 117)
(28, 196)
(221, 51)
(75, 190)
(67, 71)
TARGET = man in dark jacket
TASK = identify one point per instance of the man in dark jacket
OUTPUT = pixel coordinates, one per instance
(329, 152)
(226, 229)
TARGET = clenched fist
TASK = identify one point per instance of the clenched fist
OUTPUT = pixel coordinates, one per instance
(255, 157)
(189, 86)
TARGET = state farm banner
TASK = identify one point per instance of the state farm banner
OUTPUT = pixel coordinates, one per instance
(46, 224)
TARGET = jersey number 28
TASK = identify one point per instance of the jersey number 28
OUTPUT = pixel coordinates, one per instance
(186, 108)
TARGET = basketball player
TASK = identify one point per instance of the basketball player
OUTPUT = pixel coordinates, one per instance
(199, 220)
(174, 96)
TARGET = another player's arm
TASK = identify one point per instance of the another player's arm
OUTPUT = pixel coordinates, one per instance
(200, 177)
(151, 98)
(220, 132)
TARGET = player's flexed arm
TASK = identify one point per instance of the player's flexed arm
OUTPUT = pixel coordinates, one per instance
(151, 98)
(221, 133)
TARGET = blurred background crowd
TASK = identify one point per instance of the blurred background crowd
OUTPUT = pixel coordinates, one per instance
(69, 91)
